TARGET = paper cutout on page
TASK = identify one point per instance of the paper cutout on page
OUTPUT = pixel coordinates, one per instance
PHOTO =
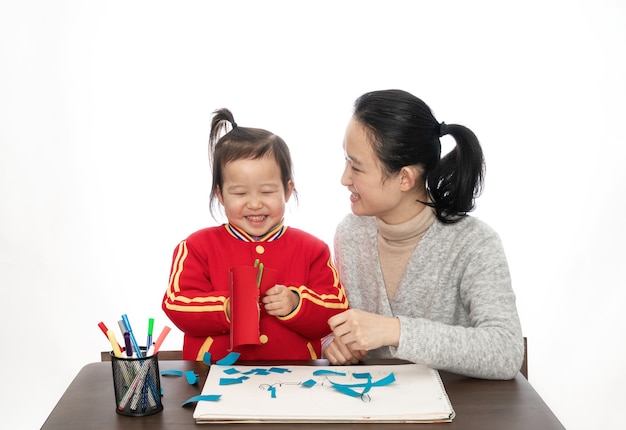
(385, 393)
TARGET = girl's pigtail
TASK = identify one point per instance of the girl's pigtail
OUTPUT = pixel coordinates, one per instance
(221, 118)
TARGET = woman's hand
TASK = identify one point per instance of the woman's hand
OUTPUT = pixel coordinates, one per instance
(339, 353)
(365, 331)
(280, 300)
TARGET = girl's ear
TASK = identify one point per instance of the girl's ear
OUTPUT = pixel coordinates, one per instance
(289, 190)
(218, 193)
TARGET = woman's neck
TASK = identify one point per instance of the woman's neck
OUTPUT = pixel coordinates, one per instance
(408, 208)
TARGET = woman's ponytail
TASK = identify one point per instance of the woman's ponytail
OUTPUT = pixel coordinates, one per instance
(457, 179)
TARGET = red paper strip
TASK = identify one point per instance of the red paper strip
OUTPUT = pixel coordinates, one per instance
(245, 308)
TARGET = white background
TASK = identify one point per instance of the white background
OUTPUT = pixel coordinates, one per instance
(104, 120)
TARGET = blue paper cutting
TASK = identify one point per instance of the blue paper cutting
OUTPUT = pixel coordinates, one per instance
(206, 397)
(309, 383)
(171, 373)
(229, 359)
(192, 378)
(324, 372)
(257, 372)
(348, 388)
(231, 381)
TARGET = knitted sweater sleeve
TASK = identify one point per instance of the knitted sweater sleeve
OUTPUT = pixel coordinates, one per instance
(455, 303)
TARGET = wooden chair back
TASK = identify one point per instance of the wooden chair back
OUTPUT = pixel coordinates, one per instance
(524, 369)
(163, 355)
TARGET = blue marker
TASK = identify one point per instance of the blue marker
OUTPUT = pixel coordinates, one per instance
(150, 328)
(132, 336)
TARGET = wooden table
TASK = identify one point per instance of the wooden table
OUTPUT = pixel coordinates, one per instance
(89, 403)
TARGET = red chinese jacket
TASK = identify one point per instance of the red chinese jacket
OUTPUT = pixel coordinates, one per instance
(199, 292)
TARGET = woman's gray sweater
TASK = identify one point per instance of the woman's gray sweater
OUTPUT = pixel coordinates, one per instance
(455, 302)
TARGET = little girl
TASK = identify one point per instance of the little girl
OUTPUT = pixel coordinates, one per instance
(252, 181)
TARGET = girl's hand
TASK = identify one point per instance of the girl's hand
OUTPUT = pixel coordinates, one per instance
(280, 300)
(361, 330)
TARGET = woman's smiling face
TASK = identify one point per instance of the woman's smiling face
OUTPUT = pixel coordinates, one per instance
(372, 193)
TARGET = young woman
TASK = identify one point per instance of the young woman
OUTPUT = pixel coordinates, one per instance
(426, 282)
(252, 181)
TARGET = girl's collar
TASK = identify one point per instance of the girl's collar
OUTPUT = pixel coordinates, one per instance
(273, 233)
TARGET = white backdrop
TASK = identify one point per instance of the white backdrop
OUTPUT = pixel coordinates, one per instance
(104, 121)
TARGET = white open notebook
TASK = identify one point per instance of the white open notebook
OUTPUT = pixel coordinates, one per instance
(297, 394)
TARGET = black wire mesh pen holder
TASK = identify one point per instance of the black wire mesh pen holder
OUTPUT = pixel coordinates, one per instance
(137, 385)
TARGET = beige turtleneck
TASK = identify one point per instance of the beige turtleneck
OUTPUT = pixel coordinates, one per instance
(396, 244)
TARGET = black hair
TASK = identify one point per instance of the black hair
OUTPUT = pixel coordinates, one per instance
(404, 132)
(243, 143)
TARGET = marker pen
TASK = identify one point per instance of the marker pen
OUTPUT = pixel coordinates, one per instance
(150, 328)
(105, 330)
(160, 339)
(129, 346)
(116, 346)
(132, 336)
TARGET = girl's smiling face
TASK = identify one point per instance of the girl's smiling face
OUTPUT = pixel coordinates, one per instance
(253, 194)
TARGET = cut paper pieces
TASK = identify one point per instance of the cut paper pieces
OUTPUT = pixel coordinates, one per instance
(171, 373)
(261, 371)
(245, 308)
(206, 358)
(327, 372)
(309, 383)
(231, 371)
(348, 388)
(231, 381)
(191, 376)
(257, 372)
(229, 359)
(415, 395)
(206, 397)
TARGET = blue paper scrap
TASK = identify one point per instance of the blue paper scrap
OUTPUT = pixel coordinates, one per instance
(257, 372)
(348, 388)
(229, 359)
(207, 358)
(171, 373)
(309, 383)
(206, 397)
(324, 372)
(231, 381)
(192, 378)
